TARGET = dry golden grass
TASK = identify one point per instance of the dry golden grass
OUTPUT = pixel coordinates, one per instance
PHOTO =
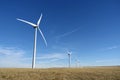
(96, 73)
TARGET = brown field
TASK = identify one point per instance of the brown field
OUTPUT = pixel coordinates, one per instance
(93, 73)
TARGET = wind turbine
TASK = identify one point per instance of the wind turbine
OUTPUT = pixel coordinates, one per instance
(77, 63)
(69, 60)
(36, 27)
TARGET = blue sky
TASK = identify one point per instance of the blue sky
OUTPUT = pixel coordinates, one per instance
(88, 28)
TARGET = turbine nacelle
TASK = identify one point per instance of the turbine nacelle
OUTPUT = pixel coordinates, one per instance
(69, 53)
(35, 26)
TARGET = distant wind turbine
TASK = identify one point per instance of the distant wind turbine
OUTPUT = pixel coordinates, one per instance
(36, 27)
(69, 60)
(77, 63)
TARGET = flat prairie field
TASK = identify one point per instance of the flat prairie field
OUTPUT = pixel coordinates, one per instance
(87, 73)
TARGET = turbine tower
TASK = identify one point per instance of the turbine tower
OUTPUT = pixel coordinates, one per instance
(36, 27)
(69, 58)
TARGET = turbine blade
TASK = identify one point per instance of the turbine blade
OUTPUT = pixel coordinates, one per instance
(39, 20)
(42, 36)
(27, 22)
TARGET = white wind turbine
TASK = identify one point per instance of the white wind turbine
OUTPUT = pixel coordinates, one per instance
(36, 27)
(77, 63)
(69, 60)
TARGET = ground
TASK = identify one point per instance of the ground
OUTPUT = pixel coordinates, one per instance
(86, 73)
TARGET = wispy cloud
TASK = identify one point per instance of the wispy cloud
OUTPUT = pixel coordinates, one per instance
(15, 57)
(107, 60)
(68, 33)
(7, 51)
(53, 56)
(110, 48)
(113, 47)
(51, 60)
(12, 57)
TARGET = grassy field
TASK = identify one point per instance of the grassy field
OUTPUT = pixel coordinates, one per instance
(96, 73)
